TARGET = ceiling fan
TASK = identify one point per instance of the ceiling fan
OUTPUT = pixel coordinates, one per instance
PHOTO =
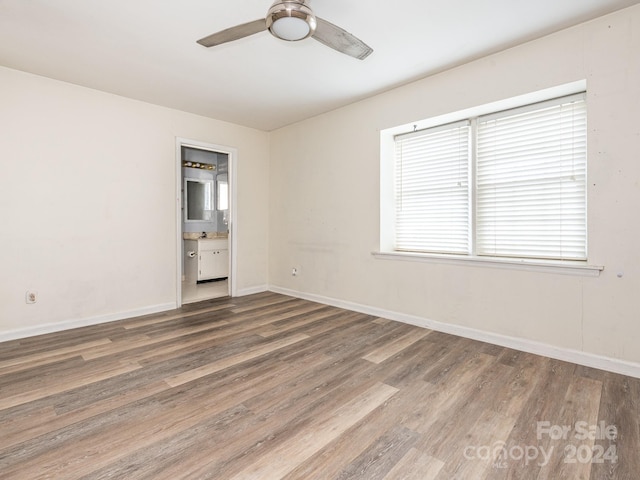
(293, 20)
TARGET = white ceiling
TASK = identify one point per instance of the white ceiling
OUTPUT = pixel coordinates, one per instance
(146, 49)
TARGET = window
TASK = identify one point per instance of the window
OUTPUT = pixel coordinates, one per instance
(506, 184)
(432, 190)
(223, 192)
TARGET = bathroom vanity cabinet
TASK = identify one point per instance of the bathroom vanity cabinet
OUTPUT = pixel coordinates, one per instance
(206, 259)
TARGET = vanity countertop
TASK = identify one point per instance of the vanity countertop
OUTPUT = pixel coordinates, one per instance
(198, 235)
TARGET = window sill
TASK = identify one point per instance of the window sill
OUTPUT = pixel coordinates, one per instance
(547, 266)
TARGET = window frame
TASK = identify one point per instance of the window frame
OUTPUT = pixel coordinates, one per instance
(387, 206)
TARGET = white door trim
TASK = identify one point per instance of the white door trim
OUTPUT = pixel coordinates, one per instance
(233, 158)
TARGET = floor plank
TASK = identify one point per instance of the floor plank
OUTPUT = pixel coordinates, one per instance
(415, 465)
(302, 446)
(380, 354)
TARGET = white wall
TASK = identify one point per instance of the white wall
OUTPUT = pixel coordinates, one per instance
(87, 203)
(324, 212)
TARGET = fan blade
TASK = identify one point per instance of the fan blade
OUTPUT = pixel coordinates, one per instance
(234, 33)
(335, 37)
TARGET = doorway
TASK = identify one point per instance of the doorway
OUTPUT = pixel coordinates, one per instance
(204, 219)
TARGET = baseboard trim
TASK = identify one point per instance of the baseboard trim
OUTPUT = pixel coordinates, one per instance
(530, 346)
(252, 290)
(83, 322)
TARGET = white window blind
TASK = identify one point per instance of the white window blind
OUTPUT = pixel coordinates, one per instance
(508, 184)
(531, 181)
(432, 189)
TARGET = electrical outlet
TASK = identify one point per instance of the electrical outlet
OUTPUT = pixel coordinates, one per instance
(294, 271)
(31, 296)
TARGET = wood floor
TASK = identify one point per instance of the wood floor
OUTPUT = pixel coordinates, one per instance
(271, 387)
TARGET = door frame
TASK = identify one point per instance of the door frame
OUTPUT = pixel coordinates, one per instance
(233, 156)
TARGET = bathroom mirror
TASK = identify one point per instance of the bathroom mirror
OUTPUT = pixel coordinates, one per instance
(198, 200)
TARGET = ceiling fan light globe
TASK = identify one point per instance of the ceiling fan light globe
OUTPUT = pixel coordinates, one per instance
(291, 20)
(290, 28)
